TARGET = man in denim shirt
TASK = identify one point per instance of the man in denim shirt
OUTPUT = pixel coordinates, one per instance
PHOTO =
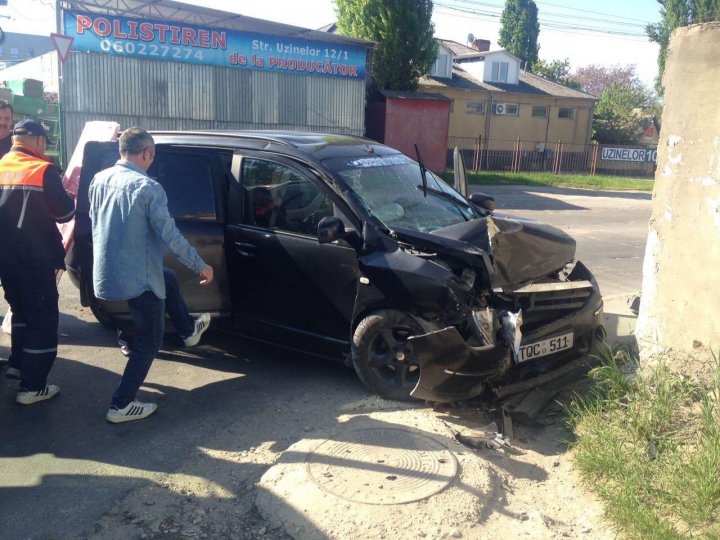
(131, 228)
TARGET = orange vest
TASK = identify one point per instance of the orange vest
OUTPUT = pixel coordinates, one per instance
(21, 169)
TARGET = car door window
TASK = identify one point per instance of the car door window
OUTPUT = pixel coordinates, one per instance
(279, 197)
(187, 180)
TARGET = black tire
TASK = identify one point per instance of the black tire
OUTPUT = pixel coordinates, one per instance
(381, 355)
(103, 317)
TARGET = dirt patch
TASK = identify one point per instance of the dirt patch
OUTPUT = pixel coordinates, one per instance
(241, 492)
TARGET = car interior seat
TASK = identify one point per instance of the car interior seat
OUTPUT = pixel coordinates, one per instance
(266, 211)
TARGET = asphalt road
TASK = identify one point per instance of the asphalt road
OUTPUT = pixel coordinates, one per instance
(62, 466)
(610, 227)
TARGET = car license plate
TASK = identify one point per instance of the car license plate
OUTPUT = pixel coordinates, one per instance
(545, 347)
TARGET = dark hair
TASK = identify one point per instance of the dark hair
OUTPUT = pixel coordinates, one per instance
(134, 140)
(5, 105)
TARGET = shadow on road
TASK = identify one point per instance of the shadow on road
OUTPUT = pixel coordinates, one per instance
(64, 457)
(541, 198)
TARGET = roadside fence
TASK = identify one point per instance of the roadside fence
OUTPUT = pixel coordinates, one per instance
(557, 157)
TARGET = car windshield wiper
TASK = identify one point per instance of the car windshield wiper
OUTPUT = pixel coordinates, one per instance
(423, 170)
(445, 196)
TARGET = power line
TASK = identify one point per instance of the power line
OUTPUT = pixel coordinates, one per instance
(560, 6)
(542, 14)
(34, 19)
(546, 22)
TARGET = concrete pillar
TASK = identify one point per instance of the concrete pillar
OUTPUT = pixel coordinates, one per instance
(680, 307)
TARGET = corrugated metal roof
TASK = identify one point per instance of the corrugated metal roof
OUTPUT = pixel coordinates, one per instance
(529, 84)
(396, 94)
(202, 16)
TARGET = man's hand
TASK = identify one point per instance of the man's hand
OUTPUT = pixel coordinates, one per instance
(206, 275)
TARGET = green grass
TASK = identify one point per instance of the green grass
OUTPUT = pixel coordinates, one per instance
(649, 445)
(610, 183)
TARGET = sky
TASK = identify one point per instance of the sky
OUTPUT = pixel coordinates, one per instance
(563, 24)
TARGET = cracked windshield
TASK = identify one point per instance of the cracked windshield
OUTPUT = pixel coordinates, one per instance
(390, 188)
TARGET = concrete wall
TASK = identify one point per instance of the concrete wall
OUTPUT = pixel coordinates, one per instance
(681, 290)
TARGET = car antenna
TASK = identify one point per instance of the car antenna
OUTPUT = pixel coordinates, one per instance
(423, 170)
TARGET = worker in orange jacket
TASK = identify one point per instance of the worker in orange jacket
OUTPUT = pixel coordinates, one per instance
(32, 201)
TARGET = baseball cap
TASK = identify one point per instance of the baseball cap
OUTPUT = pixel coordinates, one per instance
(31, 127)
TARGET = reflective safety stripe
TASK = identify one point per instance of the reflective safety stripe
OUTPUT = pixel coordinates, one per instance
(39, 351)
(22, 187)
(26, 196)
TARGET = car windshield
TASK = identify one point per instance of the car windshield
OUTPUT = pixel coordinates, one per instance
(390, 188)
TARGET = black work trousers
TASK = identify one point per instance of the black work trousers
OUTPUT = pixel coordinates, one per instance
(31, 291)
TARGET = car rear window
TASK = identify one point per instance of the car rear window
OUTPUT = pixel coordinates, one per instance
(187, 180)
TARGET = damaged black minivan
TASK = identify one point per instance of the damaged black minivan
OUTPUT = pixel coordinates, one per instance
(344, 248)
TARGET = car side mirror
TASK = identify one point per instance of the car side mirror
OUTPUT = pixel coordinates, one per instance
(330, 229)
(483, 200)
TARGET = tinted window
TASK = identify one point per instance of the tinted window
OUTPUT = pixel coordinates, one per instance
(278, 197)
(187, 180)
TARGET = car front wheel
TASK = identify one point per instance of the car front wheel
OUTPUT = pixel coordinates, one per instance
(382, 356)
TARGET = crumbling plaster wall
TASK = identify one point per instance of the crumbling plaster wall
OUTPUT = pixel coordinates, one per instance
(680, 307)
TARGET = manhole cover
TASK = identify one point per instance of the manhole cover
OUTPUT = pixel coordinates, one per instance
(382, 466)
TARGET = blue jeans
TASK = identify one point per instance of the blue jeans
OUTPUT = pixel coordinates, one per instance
(148, 315)
(31, 291)
(175, 308)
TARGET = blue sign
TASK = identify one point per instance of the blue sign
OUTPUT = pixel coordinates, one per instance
(176, 42)
(623, 153)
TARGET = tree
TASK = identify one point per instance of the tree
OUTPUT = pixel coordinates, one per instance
(618, 115)
(557, 71)
(519, 30)
(595, 79)
(677, 13)
(705, 10)
(403, 30)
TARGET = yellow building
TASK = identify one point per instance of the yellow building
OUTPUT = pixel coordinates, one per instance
(497, 103)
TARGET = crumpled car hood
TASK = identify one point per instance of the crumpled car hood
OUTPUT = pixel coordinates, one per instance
(521, 250)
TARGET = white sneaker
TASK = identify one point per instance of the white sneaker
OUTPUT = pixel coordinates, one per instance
(28, 397)
(202, 323)
(135, 410)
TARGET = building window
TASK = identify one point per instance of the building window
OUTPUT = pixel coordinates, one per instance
(500, 72)
(440, 67)
(566, 112)
(1, 50)
(14, 52)
(539, 111)
(30, 53)
(475, 107)
(507, 109)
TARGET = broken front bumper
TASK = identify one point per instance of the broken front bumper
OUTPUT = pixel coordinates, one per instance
(453, 370)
